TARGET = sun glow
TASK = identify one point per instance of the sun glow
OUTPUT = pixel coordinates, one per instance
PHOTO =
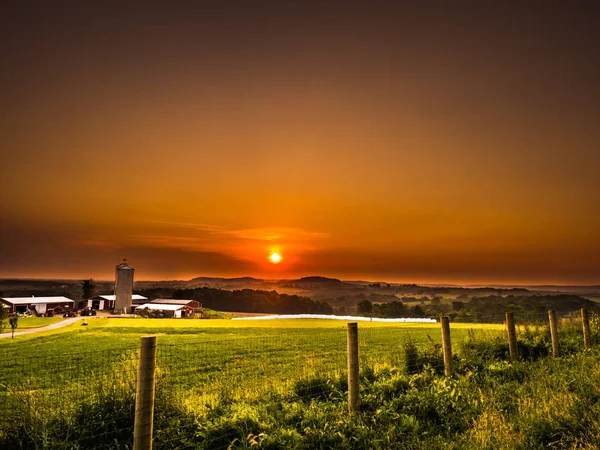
(275, 258)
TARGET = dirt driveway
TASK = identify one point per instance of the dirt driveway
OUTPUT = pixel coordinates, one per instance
(62, 323)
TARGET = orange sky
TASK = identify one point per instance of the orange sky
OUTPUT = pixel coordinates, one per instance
(422, 143)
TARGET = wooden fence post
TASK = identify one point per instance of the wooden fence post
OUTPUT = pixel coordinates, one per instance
(446, 345)
(353, 385)
(512, 337)
(144, 395)
(585, 323)
(554, 333)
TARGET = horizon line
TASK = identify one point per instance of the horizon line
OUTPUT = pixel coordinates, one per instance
(470, 285)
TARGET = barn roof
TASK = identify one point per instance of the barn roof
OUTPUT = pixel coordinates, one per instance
(36, 300)
(161, 306)
(173, 301)
(113, 297)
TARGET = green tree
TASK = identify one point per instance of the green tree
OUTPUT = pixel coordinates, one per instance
(14, 323)
(364, 307)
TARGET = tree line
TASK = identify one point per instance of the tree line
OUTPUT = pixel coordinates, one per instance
(488, 308)
(248, 300)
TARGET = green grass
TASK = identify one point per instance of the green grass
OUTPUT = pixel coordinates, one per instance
(114, 334)
(281, 384)
(246, 348)
(26, 323)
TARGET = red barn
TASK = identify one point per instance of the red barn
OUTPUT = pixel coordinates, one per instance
(37, 305)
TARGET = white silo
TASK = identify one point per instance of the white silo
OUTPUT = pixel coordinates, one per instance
(123, 288)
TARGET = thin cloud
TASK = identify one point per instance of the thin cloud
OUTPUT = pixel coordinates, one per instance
(273, 234)
(197, 226)
(260, 234)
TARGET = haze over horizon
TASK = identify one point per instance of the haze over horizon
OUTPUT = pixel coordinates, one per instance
(427, 142)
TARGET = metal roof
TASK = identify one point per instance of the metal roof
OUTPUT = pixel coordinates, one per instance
(160, 306)
(173, 301)
(113, 297)
(36, 300)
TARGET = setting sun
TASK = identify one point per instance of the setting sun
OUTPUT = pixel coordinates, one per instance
(275, 258)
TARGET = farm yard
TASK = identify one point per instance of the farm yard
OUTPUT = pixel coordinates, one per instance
(283, 384)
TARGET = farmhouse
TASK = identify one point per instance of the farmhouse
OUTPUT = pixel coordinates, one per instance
(37, 305)
(169, 310)
(108, 301)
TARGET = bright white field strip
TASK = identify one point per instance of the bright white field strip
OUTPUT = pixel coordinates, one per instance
(325, 316)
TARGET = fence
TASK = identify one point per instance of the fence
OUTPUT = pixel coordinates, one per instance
(160, 393)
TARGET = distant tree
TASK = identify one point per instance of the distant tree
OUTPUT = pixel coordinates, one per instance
(395, 309)
(457, 306)
(14, 323)
(88, 289)
(364, 307)
(418, 311)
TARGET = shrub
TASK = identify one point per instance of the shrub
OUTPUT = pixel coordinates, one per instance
(416, 360)
(314, 388)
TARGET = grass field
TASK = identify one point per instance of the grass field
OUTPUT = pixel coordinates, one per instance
(115, 334)
(220, 381)
(26, 323)
(277, 344)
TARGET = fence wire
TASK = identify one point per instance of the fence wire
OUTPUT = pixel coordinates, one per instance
(75, 400)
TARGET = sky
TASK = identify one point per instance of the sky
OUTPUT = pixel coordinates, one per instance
(432, 142)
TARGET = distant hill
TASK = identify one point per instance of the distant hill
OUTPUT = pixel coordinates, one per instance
(317, 280)
(227, 280)
(343, 295)
(567, 289)
(241, 280)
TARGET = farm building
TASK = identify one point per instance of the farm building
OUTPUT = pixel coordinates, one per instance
(138, 300)
(194, 305)
(37, 305)
(169, 310)
(108, 301)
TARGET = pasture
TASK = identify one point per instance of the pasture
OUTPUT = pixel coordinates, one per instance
(284, 346)
(116, 335)
(280, 384)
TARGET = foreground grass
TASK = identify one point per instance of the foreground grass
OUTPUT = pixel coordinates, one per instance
(544, 404)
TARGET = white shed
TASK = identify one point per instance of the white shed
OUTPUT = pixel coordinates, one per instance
(176, 311)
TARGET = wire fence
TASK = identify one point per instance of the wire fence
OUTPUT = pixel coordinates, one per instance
(86, 399)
